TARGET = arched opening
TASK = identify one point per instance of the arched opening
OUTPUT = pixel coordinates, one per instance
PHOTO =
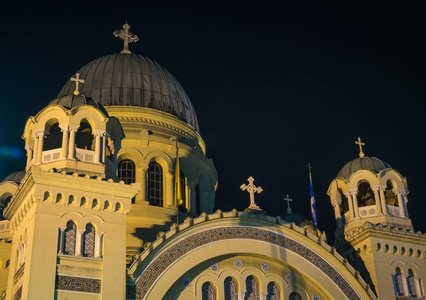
(54, 137)
(70, 238)
(89, 241)
(84, 138)
(208, 291)
(365, 195)
(390, 197)
(155, 184)
(344, 207)
(273, 291)
(231, 289)
(294, 296)
(252, 288)
(397, 282)
(127, 171)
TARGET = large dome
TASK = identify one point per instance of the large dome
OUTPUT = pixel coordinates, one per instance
(363, 163)
(133, 80)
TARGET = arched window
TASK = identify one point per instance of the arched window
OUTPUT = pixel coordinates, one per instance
(294, 296)
(252, 289)
(397, 282)
(127, 171)
(365, 195)
(89, 241)
(69, 238)
(344, 207)
(208, 291)
(273, 292)
(197, 199)
(84, 138)
(390, 197)
(53, 139)
(155, 184)
(231, 289)
(411, 284)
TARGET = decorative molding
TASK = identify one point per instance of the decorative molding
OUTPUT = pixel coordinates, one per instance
(168, 257)
(79, 284)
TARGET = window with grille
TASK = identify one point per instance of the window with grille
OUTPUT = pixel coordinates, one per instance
(89, 241)
(155, 184)
(70, 238)
(127, 171)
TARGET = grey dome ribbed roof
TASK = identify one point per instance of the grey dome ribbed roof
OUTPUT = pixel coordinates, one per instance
(133, 80)
(71, 101)
(15, 176)
(363, 163)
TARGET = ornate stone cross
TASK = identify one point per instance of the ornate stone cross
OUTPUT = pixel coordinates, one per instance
(251, 188)
(77, 80)
(361, 154)
(126, 36)
(288, 203)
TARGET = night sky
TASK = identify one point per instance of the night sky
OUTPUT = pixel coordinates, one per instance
(275, 85)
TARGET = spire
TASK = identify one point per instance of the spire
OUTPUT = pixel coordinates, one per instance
(126, 36)
(361, 154)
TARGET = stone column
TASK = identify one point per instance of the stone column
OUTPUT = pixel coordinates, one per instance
(71, 148)
(40, 140)
(35, 153)
(170, 186)
(64, 150)
(351, 205)
(103, 147)
(98, 244)
(30, 151)
(355, 202)
(78, 241)
(378, 200)
(383, 199)
(61, 239)
(401, 203)
(404, 283)
(98, 151)
(19, 248)
(418, 286)
(24, 248)
(144, 179)
(336, 204)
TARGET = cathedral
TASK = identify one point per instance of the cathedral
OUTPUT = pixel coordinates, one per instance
(117, 197)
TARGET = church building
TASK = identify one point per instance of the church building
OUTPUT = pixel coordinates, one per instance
(117, 196)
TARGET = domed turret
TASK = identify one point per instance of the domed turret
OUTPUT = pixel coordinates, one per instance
(363, 163)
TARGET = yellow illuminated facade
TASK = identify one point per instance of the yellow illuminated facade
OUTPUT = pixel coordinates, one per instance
(93, 216)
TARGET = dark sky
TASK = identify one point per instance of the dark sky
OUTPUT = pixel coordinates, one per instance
(275, 84)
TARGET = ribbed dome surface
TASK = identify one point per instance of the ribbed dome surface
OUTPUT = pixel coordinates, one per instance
(363, 163)
(71, 101)
(133, 80)
(15, 176)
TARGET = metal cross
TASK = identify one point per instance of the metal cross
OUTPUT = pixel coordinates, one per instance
(126, 36)
(309, 167)
(77, 80)
(288, 203)
(361, 154)
(251, 188)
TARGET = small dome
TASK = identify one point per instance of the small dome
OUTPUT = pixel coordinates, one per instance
(292, 218)
(70, 101)
(363, 163)
(15, 176)
(133, 80)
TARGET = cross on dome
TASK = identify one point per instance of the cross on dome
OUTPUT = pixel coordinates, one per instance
(251, 188)
(361, 154)
(288, 203)
(77, 80)
(126, 36)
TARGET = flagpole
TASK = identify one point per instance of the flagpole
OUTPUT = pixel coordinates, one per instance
(313, 204)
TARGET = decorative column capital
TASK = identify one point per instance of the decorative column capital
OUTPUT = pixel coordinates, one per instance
(29, 147)
(399, 192)
(64, 127)
(375, 188)
(40, 132)
(382, 187)
(353, 192)
(72, 127)
(336, 202)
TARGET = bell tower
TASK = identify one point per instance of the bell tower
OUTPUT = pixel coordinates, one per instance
(370, 205)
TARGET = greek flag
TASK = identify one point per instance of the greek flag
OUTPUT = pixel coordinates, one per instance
(313, 205)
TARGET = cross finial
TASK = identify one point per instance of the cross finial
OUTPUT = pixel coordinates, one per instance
(251, 188)
(77, 80)
(288, 203)
(126, 36)
(361, 154)
(310, 168)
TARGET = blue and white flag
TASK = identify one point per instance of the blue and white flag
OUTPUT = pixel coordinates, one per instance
(313, 205)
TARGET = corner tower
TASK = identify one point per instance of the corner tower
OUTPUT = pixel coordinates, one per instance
(374, 231)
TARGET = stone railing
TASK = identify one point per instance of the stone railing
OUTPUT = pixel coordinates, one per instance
(51, 155)
(85, 155)
(367, 211)
(4, 226)
(394, 210)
